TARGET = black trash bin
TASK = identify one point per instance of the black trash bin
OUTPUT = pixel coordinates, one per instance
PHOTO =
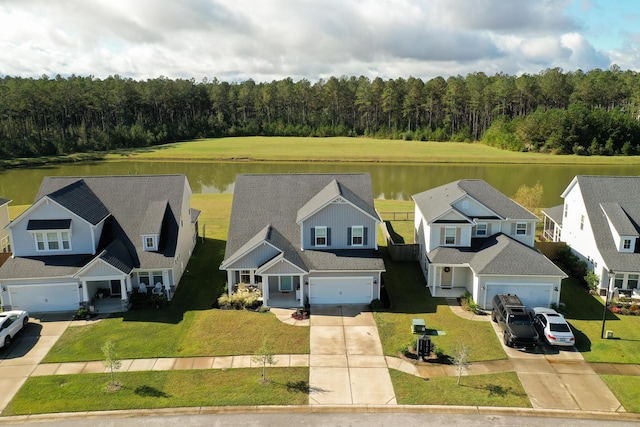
(424, 346)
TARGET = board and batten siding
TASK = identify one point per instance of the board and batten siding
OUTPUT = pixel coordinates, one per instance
(24, 242)
(101, 269)
(254, 259)
(339, 217)
(282, 268)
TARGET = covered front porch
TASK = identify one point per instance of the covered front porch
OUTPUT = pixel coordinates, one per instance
(449, 281)
(277, 290)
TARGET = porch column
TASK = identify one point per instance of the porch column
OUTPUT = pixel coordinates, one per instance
(252, 277)
(85, 291)
(265, 290)
(165, 280)
(230, 282)
(123, 289)
(301, 291)
(128, 285)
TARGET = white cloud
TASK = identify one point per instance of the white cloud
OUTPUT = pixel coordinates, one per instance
(273, 39)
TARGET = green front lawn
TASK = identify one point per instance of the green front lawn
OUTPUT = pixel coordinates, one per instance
(584, 313)
(410, 299)
(163, 389)
(500, 389)
(189, 326)
(625, 388)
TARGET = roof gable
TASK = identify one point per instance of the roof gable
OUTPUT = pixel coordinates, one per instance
(435, 202)
(78, 198)
(334, 191)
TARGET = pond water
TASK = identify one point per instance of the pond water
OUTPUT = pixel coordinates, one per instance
(390, 181)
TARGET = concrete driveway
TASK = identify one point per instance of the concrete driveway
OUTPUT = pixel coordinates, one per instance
(346, 363)
(27, 350)
(559, 378)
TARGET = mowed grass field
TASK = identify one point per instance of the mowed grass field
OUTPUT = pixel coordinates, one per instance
(344, 149)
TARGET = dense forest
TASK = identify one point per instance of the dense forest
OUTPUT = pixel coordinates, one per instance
(590, 113)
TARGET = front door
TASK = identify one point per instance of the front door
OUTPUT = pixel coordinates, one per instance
(446, 277)
(116, 288)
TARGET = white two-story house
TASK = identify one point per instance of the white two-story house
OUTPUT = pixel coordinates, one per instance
(600, 220)
(111, 233)
(474, 238)
(304, 238)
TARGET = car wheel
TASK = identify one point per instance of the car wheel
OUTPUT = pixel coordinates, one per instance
(25, 322)
(7, 341)
(507, 341)
(493, 317)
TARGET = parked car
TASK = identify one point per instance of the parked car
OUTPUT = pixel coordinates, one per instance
(11, 322)
(552, 327)
(516, 324)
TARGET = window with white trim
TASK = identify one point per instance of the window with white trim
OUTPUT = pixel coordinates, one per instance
(52, 241)
(521, 229)
(150, 242)
(481, 229)
(618, 280)
(357, 235)
(632, 282)
(626, 244)
(449, 236)
(321, 236)
(144, 277)
(245, 276)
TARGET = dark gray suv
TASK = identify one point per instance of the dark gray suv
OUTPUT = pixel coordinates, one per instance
(516, 324)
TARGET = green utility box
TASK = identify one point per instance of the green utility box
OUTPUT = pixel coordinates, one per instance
(418, 326)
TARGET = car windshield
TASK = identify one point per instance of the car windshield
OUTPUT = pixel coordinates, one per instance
(559, 327)
(519, 319)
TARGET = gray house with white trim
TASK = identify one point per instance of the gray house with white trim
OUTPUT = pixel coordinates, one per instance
(304, 237)
(83, 234)
(474, 238)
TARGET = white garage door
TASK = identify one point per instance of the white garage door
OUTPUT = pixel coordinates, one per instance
(340, 290)
(531, 294)
(45, 298)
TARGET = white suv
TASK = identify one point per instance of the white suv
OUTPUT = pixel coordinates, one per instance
(11, 322)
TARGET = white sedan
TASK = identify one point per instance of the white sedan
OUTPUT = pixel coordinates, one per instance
(552, 327)
(11, 322)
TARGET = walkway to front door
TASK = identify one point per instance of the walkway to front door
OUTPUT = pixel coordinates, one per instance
(346, 363)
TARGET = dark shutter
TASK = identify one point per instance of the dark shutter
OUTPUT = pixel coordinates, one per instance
(328, 237)
(348, 236)
(313, 236)
(365, 231)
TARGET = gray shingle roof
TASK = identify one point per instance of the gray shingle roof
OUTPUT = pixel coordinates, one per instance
(4, 201)
(555, 213)
(623, 190)
(619, 219)
(152, 223)
(127, 199)
(439, 200)
(498, 255)
(276, 199)
(117, 255)
(79, 199)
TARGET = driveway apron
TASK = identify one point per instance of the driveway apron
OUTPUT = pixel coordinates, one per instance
(559, 378)
(346, 363)
(25, 353)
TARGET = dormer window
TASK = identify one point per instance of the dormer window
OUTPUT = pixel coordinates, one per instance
(150, 242)
(51, 235)
(52, 241)
(320, 236)
(626, 244)
(357, 235)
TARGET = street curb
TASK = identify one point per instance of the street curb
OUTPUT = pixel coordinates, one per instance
(426, 409)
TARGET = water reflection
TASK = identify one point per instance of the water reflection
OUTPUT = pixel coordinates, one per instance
(390, 181)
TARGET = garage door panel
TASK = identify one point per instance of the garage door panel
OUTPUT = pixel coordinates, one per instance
(345, 290)
(44, 298)
(531, 295)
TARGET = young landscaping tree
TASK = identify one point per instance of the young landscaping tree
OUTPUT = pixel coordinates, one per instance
(460, 359)
(592, 280)
(111, 360)
(264, 356)
(530, 197)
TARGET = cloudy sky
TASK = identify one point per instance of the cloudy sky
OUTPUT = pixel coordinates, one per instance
(272, 39)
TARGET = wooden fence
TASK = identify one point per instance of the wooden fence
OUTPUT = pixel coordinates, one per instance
(397, 216)
(550, 249)
(400, 251)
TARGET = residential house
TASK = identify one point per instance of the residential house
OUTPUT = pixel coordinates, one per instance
(84, 236)
(600, 222)
(304, 237)
(474, 238)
